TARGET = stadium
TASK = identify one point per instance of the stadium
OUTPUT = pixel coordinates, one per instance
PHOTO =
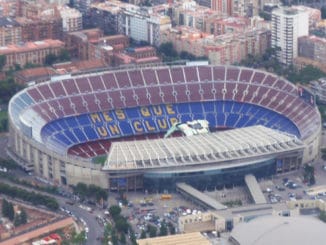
(259, 122)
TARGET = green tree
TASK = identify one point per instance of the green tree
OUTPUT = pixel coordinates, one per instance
(171, 228)
(8, 209)
(167, 50)
(123, 238)
(64, 55)
(50, 59)
(309, 174)
(114, 237)
(79, 239)
(21, 218)
(143, 234)
(152, 230)
(81, 190)
(323, 12)
(163, 229)
(322, 216)
(115, 211)
(2, 61)
(133, 237)
(121, 224)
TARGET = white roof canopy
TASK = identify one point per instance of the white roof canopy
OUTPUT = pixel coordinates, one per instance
(200, 149)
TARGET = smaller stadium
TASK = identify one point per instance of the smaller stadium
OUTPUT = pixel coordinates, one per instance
(155, 126)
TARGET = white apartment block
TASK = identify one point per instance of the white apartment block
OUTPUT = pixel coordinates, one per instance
(141, 24)
(71, 19)
(287, 25)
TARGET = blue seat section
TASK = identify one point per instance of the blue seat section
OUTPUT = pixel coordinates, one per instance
(134, 113)
(211, 117)
(183, 108)
(71, 135)
(231, 120)
(71, 122)
(209, 106)
(62, 138)
(80, 135)
(26, 98)
(91, 133)
(84, 119)
(126, 128)
(220, 119)
(236, 107)
(126, 122)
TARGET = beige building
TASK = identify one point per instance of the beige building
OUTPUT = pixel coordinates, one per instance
(71, 19)
(228, 48)
(181, 239)
(10, 31)
(30, 52)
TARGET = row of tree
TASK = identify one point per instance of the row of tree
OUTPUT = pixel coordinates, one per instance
(52, 58)
(269, 62)
(90, 191)
(32, 197)
(168, 53)
(8, 88)
(117, 234)
(151, 230)
(9, 212)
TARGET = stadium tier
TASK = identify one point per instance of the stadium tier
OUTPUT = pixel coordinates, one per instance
(82, 115)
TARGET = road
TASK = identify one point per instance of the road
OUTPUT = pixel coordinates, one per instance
(95, 230)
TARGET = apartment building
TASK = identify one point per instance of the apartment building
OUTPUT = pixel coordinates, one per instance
(30, 52)
(288, 24)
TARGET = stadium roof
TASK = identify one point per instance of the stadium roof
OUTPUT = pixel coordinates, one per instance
(218, 147)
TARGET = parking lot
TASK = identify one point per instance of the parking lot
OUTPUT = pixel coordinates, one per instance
(144, 209)
(292, 187)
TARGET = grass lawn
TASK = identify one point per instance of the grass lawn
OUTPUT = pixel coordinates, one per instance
(99, 159)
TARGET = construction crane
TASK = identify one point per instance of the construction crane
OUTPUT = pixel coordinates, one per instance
(189, 128)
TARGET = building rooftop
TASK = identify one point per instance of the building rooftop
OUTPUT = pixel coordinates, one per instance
(194, 238)
(218, 147)
(8, 22)
(207, 200)
(30, 46)
(254, 188)
(270, 230)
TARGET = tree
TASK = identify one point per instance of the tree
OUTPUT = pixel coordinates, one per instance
(123, 238)
(2, 61)
(309, 174)
(143, 234)
(81, 190)
(121, 224)
(167, 50)
(114, 237)
(115, 211)
(322, 216)
(152, 230)
(21, 218)
(133, 237)
(64, 55)
(171, 228)
(323, 12)
(8, 210)
(163, 229)
(79, 238)
(50, 59)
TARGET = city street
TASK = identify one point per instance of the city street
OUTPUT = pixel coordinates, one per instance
(95, 230)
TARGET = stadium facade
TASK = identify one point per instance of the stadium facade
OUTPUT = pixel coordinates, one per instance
(58, 127)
